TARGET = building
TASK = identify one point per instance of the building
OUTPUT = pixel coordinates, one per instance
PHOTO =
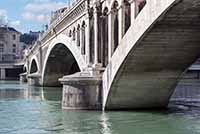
(35, 34)
(29, 38)
(11, 52)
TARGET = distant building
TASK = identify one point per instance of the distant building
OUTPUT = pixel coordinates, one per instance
(29, 38)
(34, 34)
(11, 51)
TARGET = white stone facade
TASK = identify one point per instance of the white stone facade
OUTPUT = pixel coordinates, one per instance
(10, 50)
(10, 45)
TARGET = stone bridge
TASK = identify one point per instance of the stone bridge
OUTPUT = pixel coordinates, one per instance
(117, 54)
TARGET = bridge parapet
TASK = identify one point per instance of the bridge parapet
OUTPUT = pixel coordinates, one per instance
(65, 20)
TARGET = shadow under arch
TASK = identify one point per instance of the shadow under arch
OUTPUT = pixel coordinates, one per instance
(34, 66)
(60, 62)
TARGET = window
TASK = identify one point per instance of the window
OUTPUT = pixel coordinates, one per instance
(70, 33)
(78, 36)
(14, 57)
(127, 16)
(14, 37)
(83, 39)
(14, 48)
(115, 25)
(24, 47)
(1, 48)
(74, 34)
(105, 37)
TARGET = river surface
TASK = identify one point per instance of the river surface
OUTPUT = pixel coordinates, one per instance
(32, 110)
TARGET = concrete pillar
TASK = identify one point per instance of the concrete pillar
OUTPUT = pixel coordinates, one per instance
(96, 41)
(3, 73)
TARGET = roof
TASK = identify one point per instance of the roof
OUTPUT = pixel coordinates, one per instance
(194, 67)
(9, 29)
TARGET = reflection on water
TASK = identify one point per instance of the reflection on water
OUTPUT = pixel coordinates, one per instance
(13, 90)
(35, 110)
(105, 124)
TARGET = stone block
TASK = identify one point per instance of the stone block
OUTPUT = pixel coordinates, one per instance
(81, 91)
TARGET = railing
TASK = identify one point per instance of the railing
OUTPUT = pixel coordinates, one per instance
(6, 62)
(12, 62)
(65, 18)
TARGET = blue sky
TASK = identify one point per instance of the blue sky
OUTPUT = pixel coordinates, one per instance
(26, 15)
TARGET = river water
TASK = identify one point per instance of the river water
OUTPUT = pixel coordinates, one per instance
(32, 110)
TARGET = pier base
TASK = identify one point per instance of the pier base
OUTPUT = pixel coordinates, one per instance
(81, 91)
(34, 79)
(23, 78)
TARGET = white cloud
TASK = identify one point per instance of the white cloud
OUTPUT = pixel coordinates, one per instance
(44, 7)
(15, 23)
(3, 16)
(4, 19)
(28, 16)
(39, 10)
(41, 1)
(42, 18)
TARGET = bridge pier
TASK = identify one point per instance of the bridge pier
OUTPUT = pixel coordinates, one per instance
(81, 91)
(3, 73)
(23, 78)
(34, 79)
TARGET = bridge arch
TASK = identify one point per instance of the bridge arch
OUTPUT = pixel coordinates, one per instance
(152, 56)
(63, 58)
(34, 65)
